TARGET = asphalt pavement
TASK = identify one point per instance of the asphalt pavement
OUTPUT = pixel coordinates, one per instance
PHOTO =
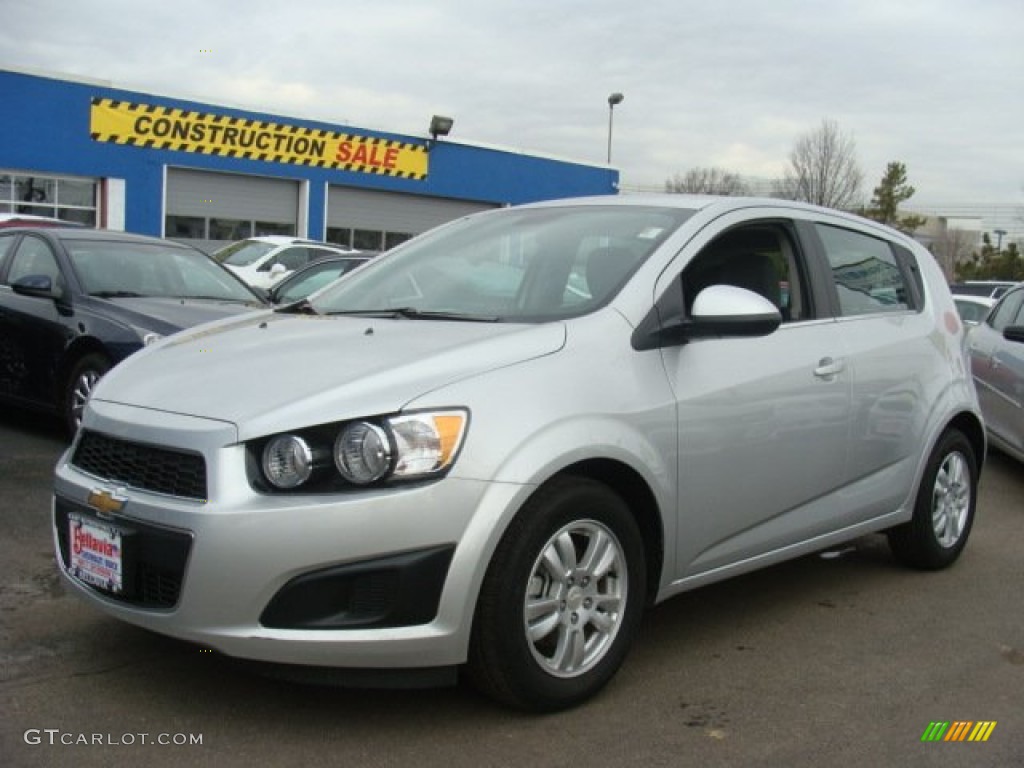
(841, 658)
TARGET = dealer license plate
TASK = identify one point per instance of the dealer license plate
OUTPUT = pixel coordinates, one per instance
(96, 554)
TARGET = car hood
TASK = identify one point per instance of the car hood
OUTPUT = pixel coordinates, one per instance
(169, 315)
(269, 372)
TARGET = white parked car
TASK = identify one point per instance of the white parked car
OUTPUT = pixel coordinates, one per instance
(495, 445)
(973, 309)
(263, 261)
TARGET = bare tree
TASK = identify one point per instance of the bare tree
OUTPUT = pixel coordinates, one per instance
(823, 169)
(707, 181)
(953, 247)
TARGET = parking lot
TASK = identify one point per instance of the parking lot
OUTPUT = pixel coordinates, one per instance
(839, 658)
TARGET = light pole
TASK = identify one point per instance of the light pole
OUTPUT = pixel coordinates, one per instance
(615, 98)
(999, 233)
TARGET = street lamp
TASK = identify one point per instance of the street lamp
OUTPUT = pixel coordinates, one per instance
(615, 98)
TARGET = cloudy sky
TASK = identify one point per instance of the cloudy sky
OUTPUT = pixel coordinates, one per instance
(935, 84)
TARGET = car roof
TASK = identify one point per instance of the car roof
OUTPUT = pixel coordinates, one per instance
(289, 240)
(723, 204)
(31, 220)
(96, 235)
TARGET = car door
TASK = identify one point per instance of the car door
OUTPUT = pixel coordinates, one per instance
(894, 375)
(997, 365)
(763, 422)
(33, 328)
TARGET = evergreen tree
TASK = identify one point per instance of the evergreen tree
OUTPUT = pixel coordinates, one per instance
(888, 195)
(993, 264)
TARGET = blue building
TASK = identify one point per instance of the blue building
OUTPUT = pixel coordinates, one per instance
(169, 167)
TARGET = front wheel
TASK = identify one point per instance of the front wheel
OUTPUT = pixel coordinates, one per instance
(944, 509)
(561, 600)
(84, 375)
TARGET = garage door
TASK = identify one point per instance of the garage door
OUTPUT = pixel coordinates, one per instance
(373, 221)
(208, 209)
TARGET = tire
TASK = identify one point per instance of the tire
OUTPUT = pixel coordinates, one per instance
(79, 385)
(561, 600)
(944, 508)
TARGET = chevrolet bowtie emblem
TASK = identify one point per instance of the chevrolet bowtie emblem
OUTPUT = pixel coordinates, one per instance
(105, 502)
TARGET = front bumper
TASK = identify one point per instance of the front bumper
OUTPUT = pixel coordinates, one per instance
(271, 577)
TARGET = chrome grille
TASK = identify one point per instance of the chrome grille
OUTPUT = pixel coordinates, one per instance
(141, 466)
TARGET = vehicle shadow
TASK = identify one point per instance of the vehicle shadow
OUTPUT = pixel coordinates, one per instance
(31, 424)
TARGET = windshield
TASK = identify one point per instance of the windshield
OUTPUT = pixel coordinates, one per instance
(314, 278)
(243, 253)
(112, 268)
(516, 264)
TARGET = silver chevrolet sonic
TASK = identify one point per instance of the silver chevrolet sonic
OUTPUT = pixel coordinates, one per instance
(491, 448)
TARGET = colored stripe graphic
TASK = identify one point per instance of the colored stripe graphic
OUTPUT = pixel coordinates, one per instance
(958, 730)
(982, 731)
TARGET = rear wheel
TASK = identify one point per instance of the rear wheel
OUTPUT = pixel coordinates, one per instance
(84, 375)
(561, 600)
(944, 509)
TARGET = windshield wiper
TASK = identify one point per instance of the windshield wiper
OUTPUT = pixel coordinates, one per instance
(300, 307)
(412, 313)
(117, 295)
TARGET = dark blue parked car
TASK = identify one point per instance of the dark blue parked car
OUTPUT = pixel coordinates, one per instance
(75, 301)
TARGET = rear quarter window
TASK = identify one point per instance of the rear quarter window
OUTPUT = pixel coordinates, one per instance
(868, 277)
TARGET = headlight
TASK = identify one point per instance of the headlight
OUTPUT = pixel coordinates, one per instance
(406, 446)
(287, 461)
(426, 443)
(362, 453)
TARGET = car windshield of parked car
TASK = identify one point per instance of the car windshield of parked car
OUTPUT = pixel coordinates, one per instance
(314, 278)
(243, 253)
(516, 265)
(110, 269)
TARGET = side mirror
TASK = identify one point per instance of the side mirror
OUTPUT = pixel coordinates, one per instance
(38, 286)
(278, 269)
(718, 310)
(726, 310)
(1014, 333)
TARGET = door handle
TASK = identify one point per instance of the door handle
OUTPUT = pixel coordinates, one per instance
(828, 368)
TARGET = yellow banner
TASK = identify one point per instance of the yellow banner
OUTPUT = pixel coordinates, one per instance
(181, 130)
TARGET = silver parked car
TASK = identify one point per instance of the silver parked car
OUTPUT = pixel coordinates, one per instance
(495, 445)
(997, 362)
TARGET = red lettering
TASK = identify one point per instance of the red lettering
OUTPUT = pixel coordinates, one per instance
(88, 541)
(375, 154)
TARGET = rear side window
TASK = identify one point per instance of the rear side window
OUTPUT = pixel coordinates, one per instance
(867, 276)
(1009, 312)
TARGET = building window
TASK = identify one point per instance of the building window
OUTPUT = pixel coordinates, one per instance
(70, 199)
(339, 236)
(200, 228)
(391, 239)
(365, 239)
(186, 227)
(274, 228)
(230, 229)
